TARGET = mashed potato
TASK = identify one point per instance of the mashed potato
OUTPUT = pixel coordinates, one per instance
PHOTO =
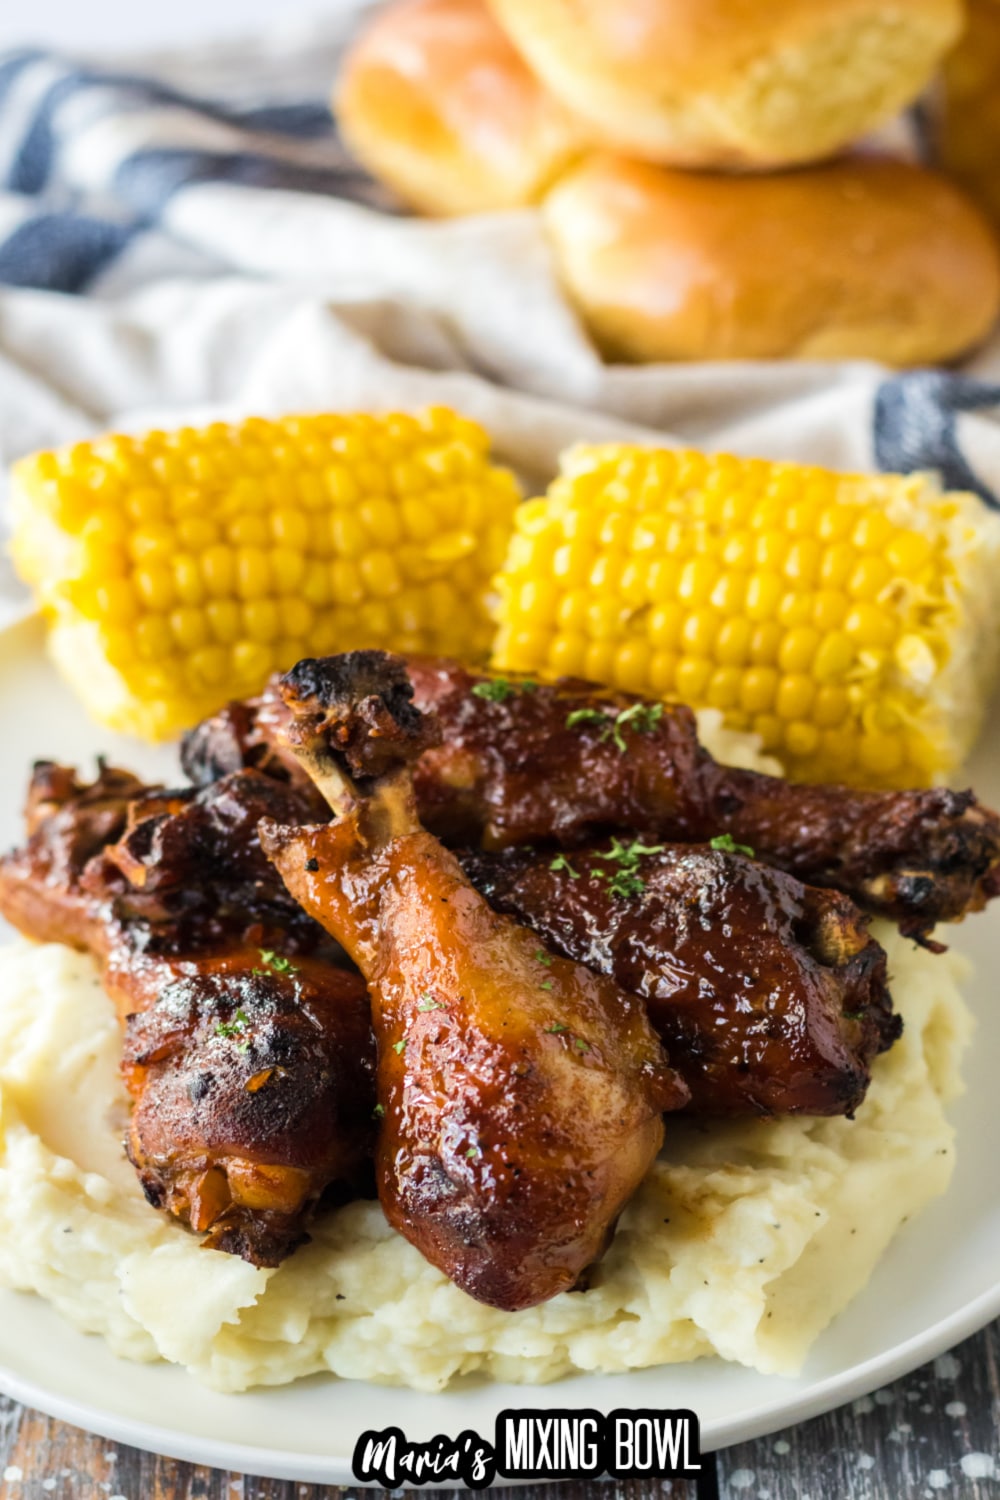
(744, 1240)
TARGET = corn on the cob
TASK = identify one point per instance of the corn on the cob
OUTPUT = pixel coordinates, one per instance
(850, 621)
(180, 569)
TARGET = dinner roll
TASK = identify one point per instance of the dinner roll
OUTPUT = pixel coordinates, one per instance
(733, 83)
(863, 258)
(436, 102)
(969, 120)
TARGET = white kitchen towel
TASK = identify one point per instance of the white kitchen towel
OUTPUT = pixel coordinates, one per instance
(184, 236)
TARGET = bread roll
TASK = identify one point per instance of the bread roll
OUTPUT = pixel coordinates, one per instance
(436, 102)
(864, 258)
(733, 83)
(969, 121)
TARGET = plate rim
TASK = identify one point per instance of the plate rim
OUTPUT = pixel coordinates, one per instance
(279, 1463)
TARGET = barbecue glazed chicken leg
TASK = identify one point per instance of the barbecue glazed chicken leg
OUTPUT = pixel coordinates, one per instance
(566, 760)
(770, 996)
(569, 762)
(522, 1095)
(247, 1050)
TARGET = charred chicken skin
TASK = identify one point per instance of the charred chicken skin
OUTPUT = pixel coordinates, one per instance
(247, 1050)
(567, 762)
(770, 996)
(521, 1095)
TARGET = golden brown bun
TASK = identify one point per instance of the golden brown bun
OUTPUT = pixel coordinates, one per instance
(970, 116)
(864, 258)
(435, 101)
(733, 83)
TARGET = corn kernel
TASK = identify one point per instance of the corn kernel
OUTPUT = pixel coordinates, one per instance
(692, 678)
(224, 619)
(794, 608)
(208, 667)
(631, 669)
(837, 565)
(155, 586)
(831, 706)
(188, 582)
(261, 621)
(798, 649)
(253, 572)
(663, 671)
(880, 753)
(380, 575)
(723, 689)
(699, 631)
(908, 552)
(765, 642)
(833, 656)
(802, 564)
(770, 551)
(152, 543)
(770, 729)
(117, 602)
(738, 550)
(729, 594)
(801, 739)
(154, 639)
(296, 618)
(697, 580)
(829, 609)
(288, 568)
(870, 626)
(599, 662)
(218, 570)
(188, 627)
(252, 662)
(764, 591)
(732, 644)
(289, 527)
(795, 695)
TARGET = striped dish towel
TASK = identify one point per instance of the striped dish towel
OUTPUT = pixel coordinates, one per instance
(183, 236)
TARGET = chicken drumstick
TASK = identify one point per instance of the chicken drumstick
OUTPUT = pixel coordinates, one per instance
(522, 1095)
(247, 1049)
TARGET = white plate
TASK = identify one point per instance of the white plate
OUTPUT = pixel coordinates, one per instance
(937, 1283)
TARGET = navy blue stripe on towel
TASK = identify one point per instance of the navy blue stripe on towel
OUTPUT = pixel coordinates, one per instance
(60, 252)
(916, 426)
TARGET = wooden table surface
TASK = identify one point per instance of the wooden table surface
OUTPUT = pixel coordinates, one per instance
(934, 1435)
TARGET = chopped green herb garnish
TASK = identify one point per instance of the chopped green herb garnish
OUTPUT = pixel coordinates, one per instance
(562, 863)
(398, 1047)
(378, 1111)
(499, 689)
(580, 1044)
(542, 957)
(427, 1002)
(472, 1151)
(629, 855)
(546, 984)
(556, 1028)
(277, 962)
(642, 717)
(726, 844)
(236, 1027)
(585, 716)
(626, 881)
(854, 1015)
(626, 884)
